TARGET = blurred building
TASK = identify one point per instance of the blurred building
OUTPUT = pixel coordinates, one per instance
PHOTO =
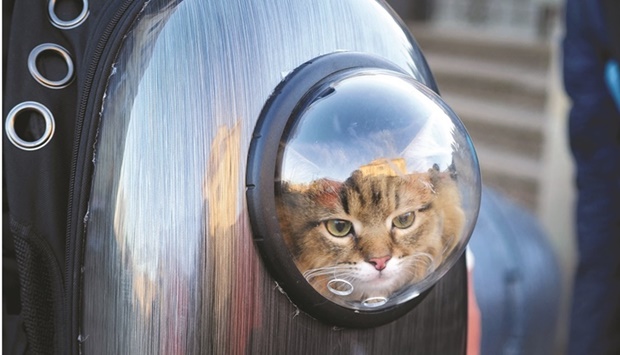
(388, 167)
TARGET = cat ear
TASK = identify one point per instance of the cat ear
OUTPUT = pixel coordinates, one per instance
(438, 178)
(453, 172)
(326, 192)
(435, 175)
(326, 185)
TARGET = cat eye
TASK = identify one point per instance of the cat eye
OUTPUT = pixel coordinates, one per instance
(338, 227)
(403, 221)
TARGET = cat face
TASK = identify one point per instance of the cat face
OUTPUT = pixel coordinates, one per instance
(367, 238)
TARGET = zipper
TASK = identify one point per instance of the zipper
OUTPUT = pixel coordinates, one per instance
(80, 176)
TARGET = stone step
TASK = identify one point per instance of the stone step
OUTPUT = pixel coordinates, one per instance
(525, 192)
(488, 111)
(466, 42)
(496, 82)
(519, 130)
(507, 162)
(513, 174)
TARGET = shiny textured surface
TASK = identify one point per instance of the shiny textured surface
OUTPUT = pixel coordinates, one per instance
(170, 266)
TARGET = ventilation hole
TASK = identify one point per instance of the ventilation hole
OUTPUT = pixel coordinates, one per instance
(48, 58)
(52, 65)
(29, 126)
(67, 14)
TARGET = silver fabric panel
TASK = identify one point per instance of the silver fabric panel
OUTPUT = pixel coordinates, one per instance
(170, 265)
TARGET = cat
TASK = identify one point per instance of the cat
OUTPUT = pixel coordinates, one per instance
(365, 239)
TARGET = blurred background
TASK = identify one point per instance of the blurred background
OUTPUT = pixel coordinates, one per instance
(497, 64)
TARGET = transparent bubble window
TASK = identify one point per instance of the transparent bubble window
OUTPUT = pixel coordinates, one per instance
(376, 188)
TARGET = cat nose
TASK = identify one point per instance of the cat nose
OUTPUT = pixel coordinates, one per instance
(379, 263)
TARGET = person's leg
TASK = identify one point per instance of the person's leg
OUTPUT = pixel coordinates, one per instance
(596, 296)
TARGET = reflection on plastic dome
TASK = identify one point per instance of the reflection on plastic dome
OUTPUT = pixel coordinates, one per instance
(373, 177)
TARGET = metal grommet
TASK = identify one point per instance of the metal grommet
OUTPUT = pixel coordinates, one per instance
(18, 141)
(67, 25)
(34, 71)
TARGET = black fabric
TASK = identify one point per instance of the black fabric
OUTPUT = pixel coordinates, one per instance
(36, 184)
(13, 335)
(40, 289)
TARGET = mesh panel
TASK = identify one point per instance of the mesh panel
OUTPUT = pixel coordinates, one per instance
(37, 295)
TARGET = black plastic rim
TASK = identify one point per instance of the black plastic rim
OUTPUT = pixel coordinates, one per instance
(272, 124)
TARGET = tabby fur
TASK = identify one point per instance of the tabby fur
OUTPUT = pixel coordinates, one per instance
(376, 257)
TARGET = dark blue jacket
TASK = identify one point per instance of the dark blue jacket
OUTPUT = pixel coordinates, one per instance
(591, 46)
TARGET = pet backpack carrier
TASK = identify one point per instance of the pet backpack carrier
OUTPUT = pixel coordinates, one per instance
(151, 153)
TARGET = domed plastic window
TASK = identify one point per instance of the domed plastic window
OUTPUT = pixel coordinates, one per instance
(376, 189)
